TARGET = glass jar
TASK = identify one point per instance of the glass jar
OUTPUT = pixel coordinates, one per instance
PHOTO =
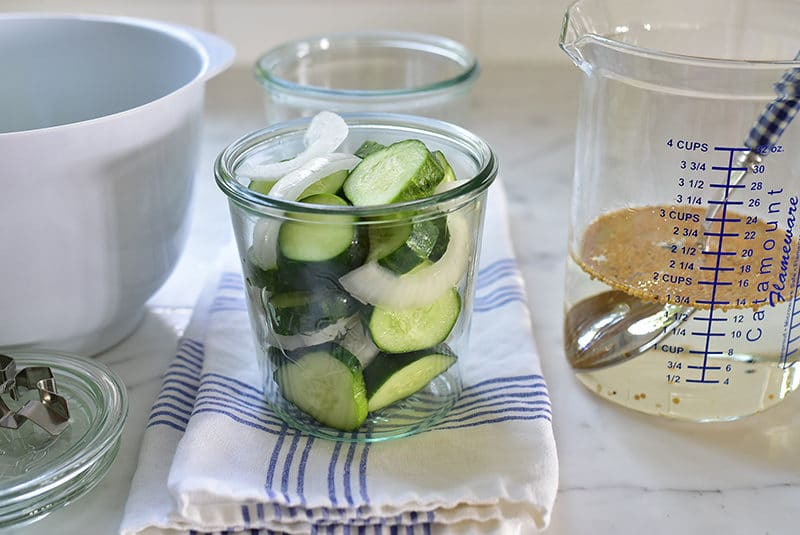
(332, 354)
(368, 72)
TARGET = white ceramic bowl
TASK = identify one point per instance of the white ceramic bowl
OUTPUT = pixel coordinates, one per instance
(99, 133)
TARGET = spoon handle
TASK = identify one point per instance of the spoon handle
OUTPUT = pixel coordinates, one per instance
(764, 133)
(778, 114)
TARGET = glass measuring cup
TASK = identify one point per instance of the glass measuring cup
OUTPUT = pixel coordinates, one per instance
(679, 274)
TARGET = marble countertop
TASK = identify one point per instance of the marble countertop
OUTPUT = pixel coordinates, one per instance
(620, 472)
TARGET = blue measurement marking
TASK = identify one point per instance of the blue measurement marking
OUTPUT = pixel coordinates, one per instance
(706, 333)
(712, 268)
(706, 381)
(722, 168)
(726, 203)
(734, 149)
(721, 234)
(709, 333)
(719, 253)
(724, 220)
(706, 318)
(712, 302)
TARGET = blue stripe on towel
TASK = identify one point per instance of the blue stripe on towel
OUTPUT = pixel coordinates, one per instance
(167, 423)
(287, 468)
(495, 421)
(500, 304)
(331, 473)
(301, 470)
(171, 407)
(347, 474)
(246, 386)
(507, 272)
(489, 269)
(225, 398)
(194, 344)
(362, 472)
(165, 395)
(498, 294)
(187, 357)
(510, 379)
(189, 395)
(273, 461)
(535, 391)
(212, 387)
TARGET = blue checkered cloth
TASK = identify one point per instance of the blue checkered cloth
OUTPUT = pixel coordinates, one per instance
(778, 114)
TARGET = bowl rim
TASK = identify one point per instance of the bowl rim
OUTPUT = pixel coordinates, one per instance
(176, 32)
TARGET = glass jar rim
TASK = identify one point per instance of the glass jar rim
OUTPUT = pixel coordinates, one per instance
(433, 44)
(474, 146)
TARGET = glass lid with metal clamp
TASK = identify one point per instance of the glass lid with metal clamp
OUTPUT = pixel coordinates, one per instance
(61, 417)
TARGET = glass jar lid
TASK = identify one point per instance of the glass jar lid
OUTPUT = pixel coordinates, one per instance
(40, 472)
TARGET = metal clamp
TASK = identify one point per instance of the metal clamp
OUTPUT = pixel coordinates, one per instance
(49, 413)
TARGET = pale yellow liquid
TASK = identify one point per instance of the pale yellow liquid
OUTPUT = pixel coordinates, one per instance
(634, 251)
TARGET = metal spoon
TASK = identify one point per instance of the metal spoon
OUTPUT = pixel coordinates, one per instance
(613, 327)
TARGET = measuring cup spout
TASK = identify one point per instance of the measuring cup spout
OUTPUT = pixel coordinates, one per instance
(573, 31)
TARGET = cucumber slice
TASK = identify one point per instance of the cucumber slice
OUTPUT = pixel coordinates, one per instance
(376, 285)
(294, 313)
(367, 148)
(255, 276)
(403, 171)
(328, 184)
(326, 383)
(384, 239)
(412, 329)
(317, 237)
(261, 186)
(424, 240)
(390, 378)
(265, 233)
(449, 174)
(325, 133)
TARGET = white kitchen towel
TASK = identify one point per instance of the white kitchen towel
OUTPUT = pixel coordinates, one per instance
(216, 459)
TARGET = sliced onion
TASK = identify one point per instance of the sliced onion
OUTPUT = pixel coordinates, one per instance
(298, 341)
(358, 342)
(447, 186)
(265, 233)
(376, 285)
(324, 135)
(293, 184)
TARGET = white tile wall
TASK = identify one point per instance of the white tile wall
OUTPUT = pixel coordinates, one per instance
(496, 30)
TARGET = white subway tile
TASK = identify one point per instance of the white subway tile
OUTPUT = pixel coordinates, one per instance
(519, 30)
(188, 12)
(256, 26)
